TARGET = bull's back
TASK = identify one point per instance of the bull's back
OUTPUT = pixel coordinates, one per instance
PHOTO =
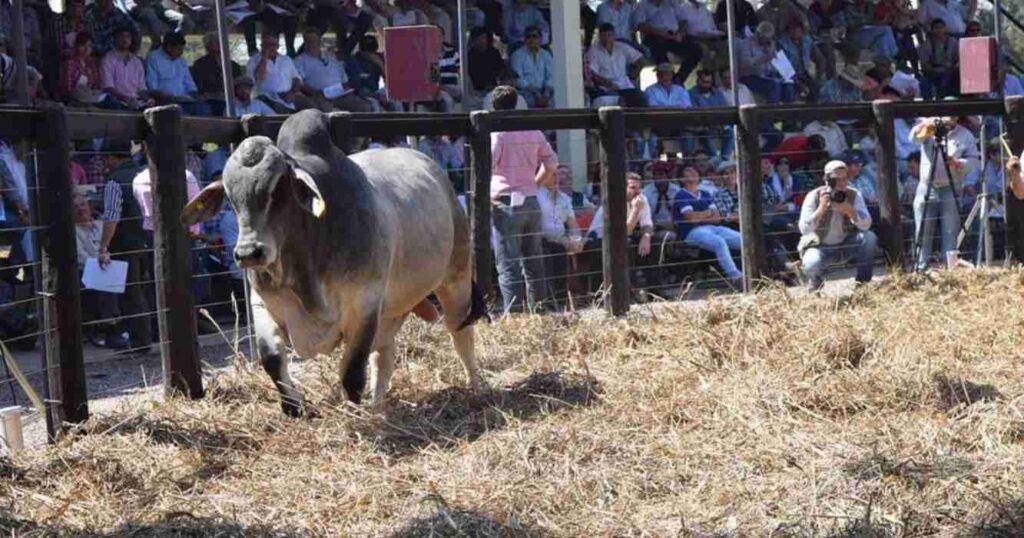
(416, 200)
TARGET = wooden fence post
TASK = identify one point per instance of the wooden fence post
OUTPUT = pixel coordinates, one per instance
(63, 305)
(751, 196)
(480, 204)
(341, 130)
(615, 248)
(1014, 122)
(891, 226)
(252, 125)
(165, 149)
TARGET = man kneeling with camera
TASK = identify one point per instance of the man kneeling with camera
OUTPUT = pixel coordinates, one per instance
(834, 222)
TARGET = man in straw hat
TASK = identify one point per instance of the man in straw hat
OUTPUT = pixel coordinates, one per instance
(834, 223)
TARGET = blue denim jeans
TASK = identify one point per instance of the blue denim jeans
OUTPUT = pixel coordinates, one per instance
(725, 139)
(519, 253)
(858, 246)
(940, 206)
(771, 90)
(721, 241)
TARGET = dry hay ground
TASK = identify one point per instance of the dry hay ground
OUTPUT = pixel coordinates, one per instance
(894, 412)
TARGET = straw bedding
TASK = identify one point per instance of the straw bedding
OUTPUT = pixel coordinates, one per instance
(895, 411)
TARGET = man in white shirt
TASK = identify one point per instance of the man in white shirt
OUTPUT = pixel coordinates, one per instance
(278, 82)
(561, 236)
(619, 14)
(323, 77)
(611, 64)
(664, 32)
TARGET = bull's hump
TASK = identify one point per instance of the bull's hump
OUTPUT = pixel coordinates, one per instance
(307, 131)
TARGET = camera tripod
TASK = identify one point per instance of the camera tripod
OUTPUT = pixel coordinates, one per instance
(939, 151)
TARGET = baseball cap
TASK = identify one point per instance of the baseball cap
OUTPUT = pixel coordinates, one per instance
(832, 166)
(725, 165)
(854, 156)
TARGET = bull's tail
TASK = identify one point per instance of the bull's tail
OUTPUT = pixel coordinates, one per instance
(477, 308)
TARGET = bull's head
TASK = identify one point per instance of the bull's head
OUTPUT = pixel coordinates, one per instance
(264, 186)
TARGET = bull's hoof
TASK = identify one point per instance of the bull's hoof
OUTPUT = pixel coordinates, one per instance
(297, 410)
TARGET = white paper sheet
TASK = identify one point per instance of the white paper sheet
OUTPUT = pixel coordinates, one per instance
(783, 66)
(110, 280)
(336, 91)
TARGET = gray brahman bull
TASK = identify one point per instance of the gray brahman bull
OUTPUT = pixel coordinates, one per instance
(341, 248)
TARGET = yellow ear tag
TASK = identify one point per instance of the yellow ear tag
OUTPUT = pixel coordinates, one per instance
(318, 207)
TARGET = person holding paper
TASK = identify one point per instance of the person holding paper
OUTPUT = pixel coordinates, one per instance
(98, 306)
(756, 55)
(323, 77)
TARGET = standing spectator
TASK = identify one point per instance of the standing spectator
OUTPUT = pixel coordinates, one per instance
(485, 61)
(832, 229)
(800, 50)
(99, 307)
(122, 74)
(535, 68)
(663, 33)
(102, 20)
(611, 63)
(949, 11)
(706, 94)
(208, 76)
(244, 103)
(278, 83)
(699, 224)
(517, 20)
(324, 78)
(745, 17)
(755, 55)
(80, 79)
(856, 17)
(940, 63)
(667, 94)
(619, 14)
(169, 79)
(846, 87)
(516, 158)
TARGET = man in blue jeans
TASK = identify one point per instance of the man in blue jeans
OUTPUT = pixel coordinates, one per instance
(834, 223)
(519, 161)
(698, 222)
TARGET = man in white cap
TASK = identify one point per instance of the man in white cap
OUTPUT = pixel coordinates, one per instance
(834, 222)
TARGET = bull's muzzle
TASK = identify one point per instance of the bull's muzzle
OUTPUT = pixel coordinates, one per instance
(250, 255)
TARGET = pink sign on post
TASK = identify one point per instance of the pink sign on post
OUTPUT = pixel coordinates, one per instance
(978, 67)
(411, 55)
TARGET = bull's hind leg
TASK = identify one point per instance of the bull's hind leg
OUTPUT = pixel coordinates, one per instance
(270, 344)
(456, 296)
(384, 360)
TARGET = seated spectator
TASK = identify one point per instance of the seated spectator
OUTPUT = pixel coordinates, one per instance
(168, 77)
(706, 94)
(699, 224)
(846, 87)
(660, 193)
(727, 199)
(102, 19)
(324, 80)
(349, 22)
(826, 32)
(446, 156)
(278, 83)
(861, 176)
(909, 182)
(561, 236)
(667, 94)
(244, 103)
(832, 134)
(209, 77)
(755, 55)
(619, 14)
(800, 50)
(485, 63)
(520, 17)
(507, 78)
(940, 63)
(535, 69)
(949, 12)
(856, 17)
(745, 18)
(80, 79)
(100, 308)
(658, 22)
(639, 229)
(1012, 84)
(122, 75)
(898, 15)
(973, 29)
(833, 229)
(801, 150)
(155, 17)
(366, 73)
(782, 14)
(439, 18)
(612, 65)
(405, 13)
(70, 24)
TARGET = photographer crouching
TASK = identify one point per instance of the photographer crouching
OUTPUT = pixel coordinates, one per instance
(834, 223)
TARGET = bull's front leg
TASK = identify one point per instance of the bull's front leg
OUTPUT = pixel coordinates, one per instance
(270, 344)
(359, 343)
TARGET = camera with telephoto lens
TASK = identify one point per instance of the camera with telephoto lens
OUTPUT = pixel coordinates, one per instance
(836, 196)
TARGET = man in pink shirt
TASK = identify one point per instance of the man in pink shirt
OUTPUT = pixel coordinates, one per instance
(122, 75)
(519, 160)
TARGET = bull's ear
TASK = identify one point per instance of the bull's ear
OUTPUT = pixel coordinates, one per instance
(306, 193)
(205, 205)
